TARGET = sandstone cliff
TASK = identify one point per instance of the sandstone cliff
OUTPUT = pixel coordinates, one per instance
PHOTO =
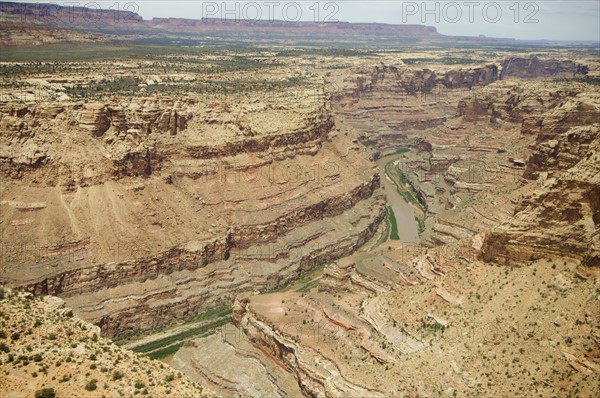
(533, 67)
(561, 218)
(184, 202)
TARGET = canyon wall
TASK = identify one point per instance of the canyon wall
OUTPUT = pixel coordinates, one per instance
(559, 217)
(150, 211)
(314, 373)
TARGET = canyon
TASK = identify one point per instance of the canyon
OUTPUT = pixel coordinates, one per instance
(488, 181)
(417, 220)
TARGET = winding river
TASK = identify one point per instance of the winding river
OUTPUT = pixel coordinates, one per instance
(408, 230)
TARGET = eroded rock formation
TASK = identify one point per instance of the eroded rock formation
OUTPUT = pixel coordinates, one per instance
(166, 225)
(533, 67)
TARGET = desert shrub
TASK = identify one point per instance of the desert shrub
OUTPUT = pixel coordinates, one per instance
(91, 385)
(45, 393)
(117, 375)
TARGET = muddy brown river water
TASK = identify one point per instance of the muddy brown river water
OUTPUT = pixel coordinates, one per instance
(408, 230)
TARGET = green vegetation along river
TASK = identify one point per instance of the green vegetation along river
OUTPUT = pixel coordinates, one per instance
(408, 229)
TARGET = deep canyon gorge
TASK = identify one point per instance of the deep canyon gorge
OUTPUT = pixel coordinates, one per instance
(280, 219)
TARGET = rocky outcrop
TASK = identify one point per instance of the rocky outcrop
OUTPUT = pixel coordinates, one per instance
(172, 122)
(391, 106)
(553, 156)
(579, 110)
(315, 374)
(95, 119)
(245, 236)
(412, 81)
(230, 365)
(561, 219)
(155, 117)
(515, 102)
(558, 124)
(533, 67)
(98, 117)
(128, 131)
(469, 78)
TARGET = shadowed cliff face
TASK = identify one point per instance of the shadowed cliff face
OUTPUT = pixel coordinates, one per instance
(533, 67)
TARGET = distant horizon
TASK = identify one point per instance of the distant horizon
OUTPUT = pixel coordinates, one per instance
(547, 20)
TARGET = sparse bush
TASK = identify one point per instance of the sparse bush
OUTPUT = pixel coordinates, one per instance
(91, 385)
(117, 375)
(45, 393)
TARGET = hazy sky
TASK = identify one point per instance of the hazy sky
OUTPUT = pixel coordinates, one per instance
(545, 19)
